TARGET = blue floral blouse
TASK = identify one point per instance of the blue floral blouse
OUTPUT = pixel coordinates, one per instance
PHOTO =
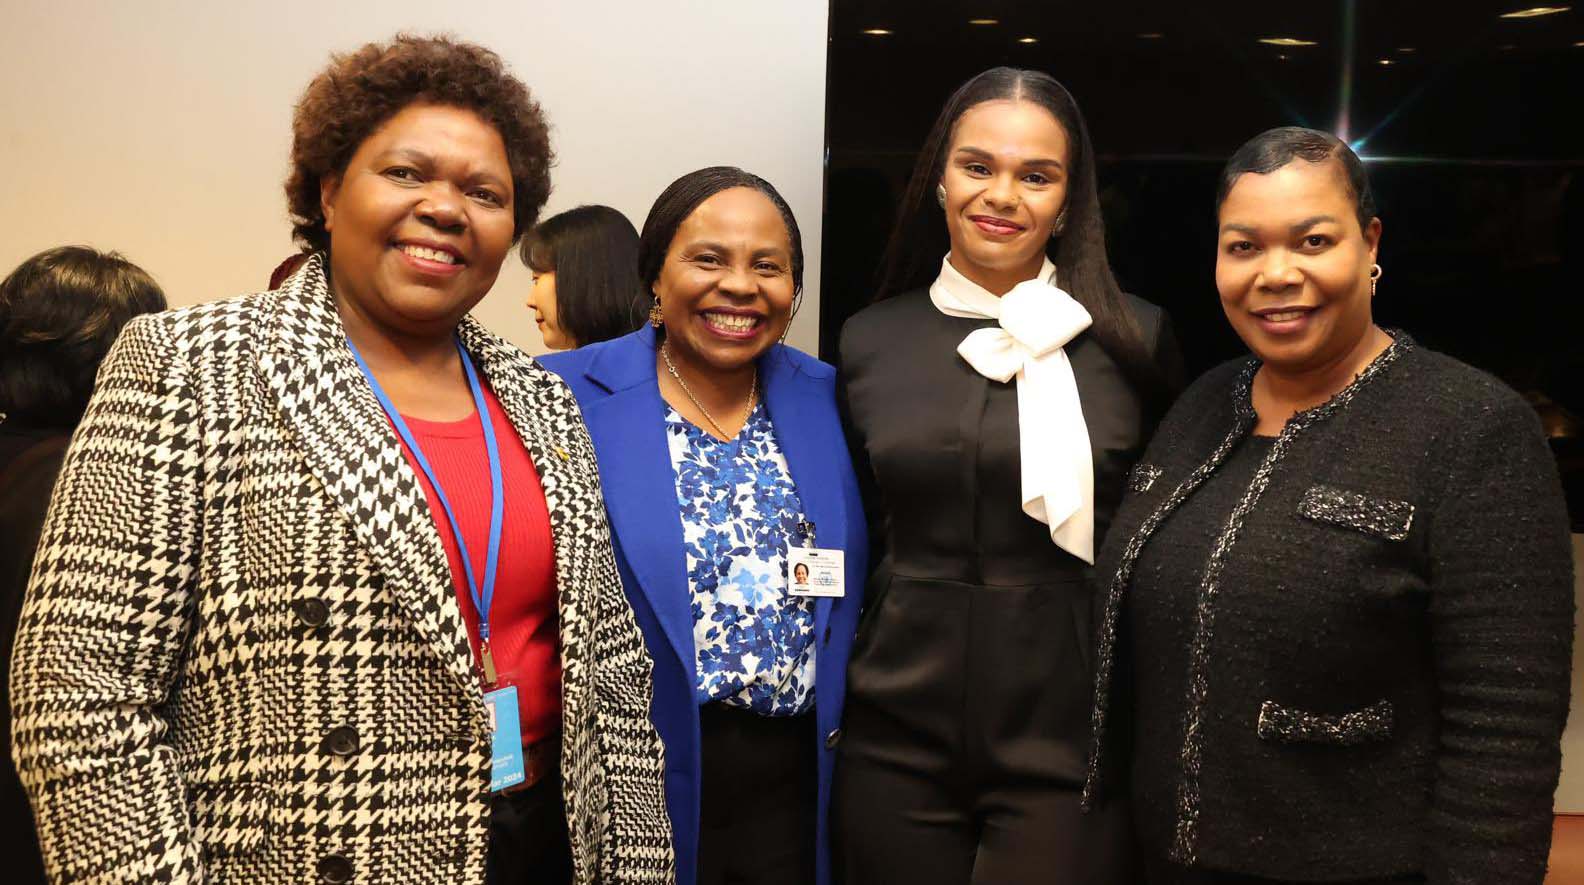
(740, 510)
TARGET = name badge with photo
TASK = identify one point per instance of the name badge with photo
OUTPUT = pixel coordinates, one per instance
(816, 571)
(507, 768)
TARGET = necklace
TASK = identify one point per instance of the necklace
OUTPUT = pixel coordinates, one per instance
(753, 390)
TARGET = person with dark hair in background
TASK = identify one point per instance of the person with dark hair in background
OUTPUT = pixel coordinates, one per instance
(1339, 621)
(326, 592)
(722, 457)
(585, 267)
(997, 394)
(59, 313)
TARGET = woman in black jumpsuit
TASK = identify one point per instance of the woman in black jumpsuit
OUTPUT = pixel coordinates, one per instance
(967, 718)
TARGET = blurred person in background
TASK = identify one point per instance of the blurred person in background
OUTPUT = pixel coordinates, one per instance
(59, 313)
(585, 267)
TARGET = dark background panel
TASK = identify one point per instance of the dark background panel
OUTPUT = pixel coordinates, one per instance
(1471, 130)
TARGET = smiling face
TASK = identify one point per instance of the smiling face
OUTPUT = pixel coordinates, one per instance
(542, 301)
(726, 287)
(419, 221)
(1293, 266)
(1006, 185)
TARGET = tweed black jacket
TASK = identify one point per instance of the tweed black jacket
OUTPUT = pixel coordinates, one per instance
(242, 658)
(1378, 667)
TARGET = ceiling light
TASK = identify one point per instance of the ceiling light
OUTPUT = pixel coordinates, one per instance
(1028, 39)
(1287, 41)
(984, 21)
(878, 32)
(1535, 11)
(1578, 44)
(1385, 61)
(1406, 49)
(1282, 57)
(1152, 35)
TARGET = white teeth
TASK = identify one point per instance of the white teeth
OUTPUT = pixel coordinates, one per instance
(428, 254)
(731, 322)
(1285, 315)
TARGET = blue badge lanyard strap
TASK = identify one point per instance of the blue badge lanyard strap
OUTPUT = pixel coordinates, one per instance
(483, 595)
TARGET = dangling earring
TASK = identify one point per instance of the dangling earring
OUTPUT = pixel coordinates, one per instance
(940, 195)
(656, 316)
(1060, 226)
(1375, 275)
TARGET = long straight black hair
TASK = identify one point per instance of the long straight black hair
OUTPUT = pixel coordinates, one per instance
(593, 251)
(919, 238)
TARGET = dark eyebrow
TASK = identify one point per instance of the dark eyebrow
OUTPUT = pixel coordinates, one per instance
(1300, 227)
(1311, 221)
(982, 154)
(703, 245)
(772, 252)
(426, 161)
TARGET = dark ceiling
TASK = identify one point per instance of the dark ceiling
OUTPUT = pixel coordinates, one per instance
(1192, 78)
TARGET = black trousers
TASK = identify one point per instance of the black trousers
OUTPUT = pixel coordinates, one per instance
(759, 798)
(966, 727)
(528, 837)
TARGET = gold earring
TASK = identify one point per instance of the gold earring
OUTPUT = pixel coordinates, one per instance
(1060, 226)
(1374, 278)
(656, 316)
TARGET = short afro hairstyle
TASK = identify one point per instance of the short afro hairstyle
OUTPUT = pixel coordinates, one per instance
(361, 90)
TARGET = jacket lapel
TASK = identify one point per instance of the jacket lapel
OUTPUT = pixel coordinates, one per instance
(546, 419)
(350, 447)
(812, 443)
(628, 429)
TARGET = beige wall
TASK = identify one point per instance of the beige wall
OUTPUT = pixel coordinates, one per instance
(1570, 792)
(161, 128)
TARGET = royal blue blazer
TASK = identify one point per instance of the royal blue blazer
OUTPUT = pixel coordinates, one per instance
(616, 384)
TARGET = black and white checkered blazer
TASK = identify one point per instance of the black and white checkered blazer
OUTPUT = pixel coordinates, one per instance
(242, 659)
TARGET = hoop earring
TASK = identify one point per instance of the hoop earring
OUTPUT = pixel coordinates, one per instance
(1060, 227)
(656, 316)
(940, 195)
(1374, 278)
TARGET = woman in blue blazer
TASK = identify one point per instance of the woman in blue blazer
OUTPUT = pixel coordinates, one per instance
(738, 528)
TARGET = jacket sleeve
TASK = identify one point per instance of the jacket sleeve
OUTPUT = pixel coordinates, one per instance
(1502, 629)
(103, 628)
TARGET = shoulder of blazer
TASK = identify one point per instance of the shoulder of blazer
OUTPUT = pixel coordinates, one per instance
(1207, 408)
(597, 370)
(210, 329)
(1149, 316)
(799, 361)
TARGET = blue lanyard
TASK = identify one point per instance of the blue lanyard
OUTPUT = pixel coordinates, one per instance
(482, 596)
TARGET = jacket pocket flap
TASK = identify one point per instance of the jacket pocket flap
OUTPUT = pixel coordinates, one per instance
(1291, 726)
(1373, 515)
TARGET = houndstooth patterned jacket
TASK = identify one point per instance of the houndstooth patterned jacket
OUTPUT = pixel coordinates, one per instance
(241, 657)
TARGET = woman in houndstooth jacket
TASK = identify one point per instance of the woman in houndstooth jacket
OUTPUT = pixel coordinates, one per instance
(248, 653)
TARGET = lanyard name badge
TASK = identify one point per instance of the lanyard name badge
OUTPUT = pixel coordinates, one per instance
(815, 571)
(501, 701)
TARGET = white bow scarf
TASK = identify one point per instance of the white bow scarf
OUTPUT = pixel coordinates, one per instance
(1037, 319)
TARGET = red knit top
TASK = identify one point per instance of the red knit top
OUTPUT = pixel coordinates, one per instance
(524, 638)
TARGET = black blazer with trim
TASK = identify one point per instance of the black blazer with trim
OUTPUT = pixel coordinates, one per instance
(1379, 657)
